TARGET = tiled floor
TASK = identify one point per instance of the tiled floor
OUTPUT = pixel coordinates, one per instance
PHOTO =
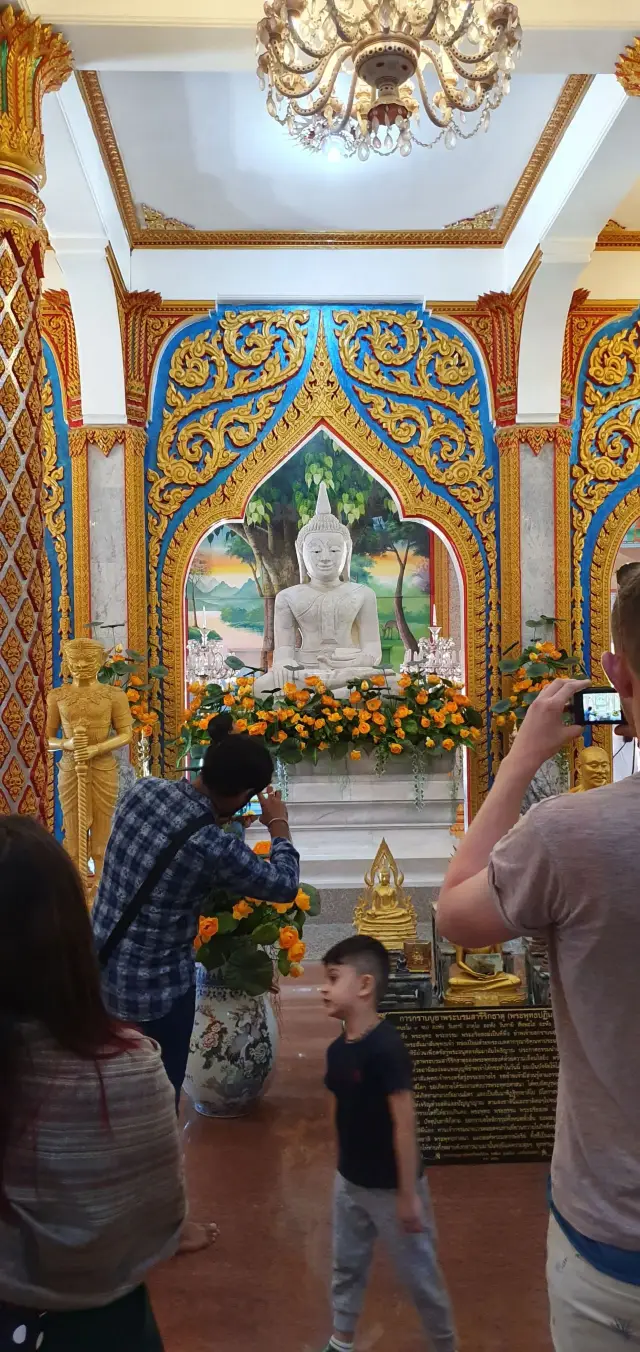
(267, 1181)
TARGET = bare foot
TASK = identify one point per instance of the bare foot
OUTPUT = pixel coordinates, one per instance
(195, 1237)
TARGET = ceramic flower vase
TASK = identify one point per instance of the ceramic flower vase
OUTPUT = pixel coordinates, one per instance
(233, 1049)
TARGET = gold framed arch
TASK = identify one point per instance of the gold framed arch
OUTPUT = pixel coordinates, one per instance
(322, 401)
(605, 553)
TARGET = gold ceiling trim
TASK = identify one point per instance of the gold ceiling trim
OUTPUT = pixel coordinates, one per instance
(617, 236)
(568, 103)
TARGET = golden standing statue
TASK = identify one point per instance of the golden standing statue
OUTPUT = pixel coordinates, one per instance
(594, 769)
(385, 911)
(95, 720)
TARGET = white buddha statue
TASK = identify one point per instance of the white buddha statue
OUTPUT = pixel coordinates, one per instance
(334, 620)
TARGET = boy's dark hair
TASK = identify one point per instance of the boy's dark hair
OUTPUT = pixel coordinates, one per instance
(368, 956)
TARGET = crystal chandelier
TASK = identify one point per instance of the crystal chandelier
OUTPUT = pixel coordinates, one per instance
(436, 656)
(355, 75)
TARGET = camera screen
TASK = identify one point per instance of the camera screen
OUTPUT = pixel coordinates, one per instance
(602, 706)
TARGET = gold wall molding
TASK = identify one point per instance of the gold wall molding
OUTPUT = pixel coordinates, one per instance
(55, 514)
(614, 236)
(58, 327)
(322, 402)
(442, 567)
(605, 553)
(105, 436)
(569, 101)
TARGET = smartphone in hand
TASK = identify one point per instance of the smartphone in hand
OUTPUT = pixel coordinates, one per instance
(598, 706)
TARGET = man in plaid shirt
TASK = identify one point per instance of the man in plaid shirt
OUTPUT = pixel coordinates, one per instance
(149, 979)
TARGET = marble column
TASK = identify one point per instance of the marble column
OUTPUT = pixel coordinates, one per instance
(537, 533)
(34, 60)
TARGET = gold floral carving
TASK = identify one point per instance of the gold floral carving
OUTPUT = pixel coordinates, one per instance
(54, 512)
(442, 568)
(569, 101)
(203, 430)
(483, 220)
(508, 442)
(34, 61)
(56, 318)
(322, 401)
(628, 68)
(606, 550)
(104, 437)
(609, 442)
(152, 219)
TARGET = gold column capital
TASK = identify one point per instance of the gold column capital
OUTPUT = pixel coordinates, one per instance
(34, 60)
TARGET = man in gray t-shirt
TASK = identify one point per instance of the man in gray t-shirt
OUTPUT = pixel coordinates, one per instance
(570, 872)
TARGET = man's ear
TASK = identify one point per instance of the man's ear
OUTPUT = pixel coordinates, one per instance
(617, 669)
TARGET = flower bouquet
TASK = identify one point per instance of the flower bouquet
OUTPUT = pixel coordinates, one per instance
(247, 943)
(531, 670)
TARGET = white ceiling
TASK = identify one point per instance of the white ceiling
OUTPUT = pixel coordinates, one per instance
(202, 147)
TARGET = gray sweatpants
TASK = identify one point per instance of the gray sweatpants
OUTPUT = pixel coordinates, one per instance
(361, 1215)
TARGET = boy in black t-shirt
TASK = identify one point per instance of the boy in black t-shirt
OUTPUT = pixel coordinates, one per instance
(379, 1187)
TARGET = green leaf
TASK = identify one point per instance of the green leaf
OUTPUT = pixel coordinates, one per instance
(122, 668)
(158, 673)
(509, 664)
(251, 972)
(226, 923)
(536, 669)
(529, 697)
(266, 934)
(134, 657)
(284, 966)
(502, 707)
(314, 897)
(234, 663)
(337, 750)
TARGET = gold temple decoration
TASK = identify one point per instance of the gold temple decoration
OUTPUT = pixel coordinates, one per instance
(458, 828)
(54, 511)
(594, 769)
(478, 978)
(322, 401)
(95, 720)
(483, 220)
(33, 60)
(152, 219)
(306, 48)
(569, 100)
(628, 68)
(385, 911)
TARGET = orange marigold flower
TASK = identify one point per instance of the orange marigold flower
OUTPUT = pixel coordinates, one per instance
(373, 705)
(434, 680)
(241, 910)
(500, 721)
(248, 704)
(461, 699)
(378, 680)
(364, 685)
(355, 755)
(322, 746)
(349, 713)
(229, 700)
(296, 951)
(380, 720)
(280, 736)
(296, 970)
(282, 906)
(355, 696)
(451, 707)
(448, 744)
(289, 936)
(203, 724)
(197, 943)
(240, 725)
(457, 719)
(290, 690)
(404, 681)
(428, 741)
(133, 696)
(422, 697)
(425, 722)
(395, 748)
(258, 729)
(262, 847)
(303, 901)
(208, 928)
(320, 723)
(147, 729)
(475, 733)
(403, 712)
(464, 732)
(334, 717)
(339, 727)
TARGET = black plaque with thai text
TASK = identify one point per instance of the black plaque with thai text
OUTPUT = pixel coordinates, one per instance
(485, 1083)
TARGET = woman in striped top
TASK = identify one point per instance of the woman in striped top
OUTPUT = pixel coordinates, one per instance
(91, 1188)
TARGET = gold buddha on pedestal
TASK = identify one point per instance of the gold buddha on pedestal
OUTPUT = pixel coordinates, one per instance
(478, 978)
(385, 911)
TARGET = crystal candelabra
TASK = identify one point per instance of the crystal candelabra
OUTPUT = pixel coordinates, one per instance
(436, 656)
(207, 660)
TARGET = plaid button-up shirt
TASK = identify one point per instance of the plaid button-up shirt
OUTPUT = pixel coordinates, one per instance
(154, 963)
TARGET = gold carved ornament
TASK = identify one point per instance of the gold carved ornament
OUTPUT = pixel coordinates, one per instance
(34, 60)
(321, 401)
(54, 513)
(609, 443)
(628, 68)
(58, 328)
(251, 357)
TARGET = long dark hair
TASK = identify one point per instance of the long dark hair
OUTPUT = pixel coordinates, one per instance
(235, 763)
(49, 974)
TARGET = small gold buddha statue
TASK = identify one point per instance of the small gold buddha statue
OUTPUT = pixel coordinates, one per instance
(594, 769)
(95, 720)
(477, 977)
(385, 912)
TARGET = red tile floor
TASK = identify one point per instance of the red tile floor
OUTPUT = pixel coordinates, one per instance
(266, 1180)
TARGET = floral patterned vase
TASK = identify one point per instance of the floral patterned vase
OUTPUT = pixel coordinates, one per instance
(233, 1049)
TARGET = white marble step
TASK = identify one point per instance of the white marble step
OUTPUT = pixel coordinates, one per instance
(313, 814)
(341, 859)
(321, 788)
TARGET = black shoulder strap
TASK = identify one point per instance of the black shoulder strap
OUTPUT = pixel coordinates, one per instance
(133, 908)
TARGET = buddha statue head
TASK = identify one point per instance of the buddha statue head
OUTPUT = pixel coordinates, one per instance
(83, 658)
(594, 768)
(324, 546)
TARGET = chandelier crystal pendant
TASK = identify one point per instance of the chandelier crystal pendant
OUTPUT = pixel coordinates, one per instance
(357, 74)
